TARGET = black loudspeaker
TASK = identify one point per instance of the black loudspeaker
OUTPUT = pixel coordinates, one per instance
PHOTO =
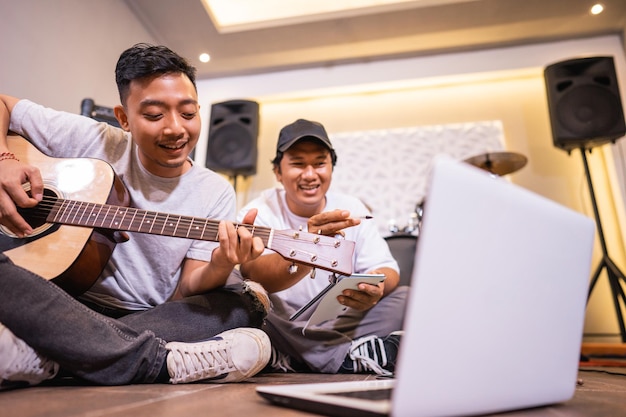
(233, 133)
(100, 113)
(584, 102)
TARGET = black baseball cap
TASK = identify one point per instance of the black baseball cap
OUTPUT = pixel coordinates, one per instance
(301, 129)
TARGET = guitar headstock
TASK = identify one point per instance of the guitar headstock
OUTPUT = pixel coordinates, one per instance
(319, 251)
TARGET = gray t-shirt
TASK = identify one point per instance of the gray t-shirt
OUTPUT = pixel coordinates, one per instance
(144, 271)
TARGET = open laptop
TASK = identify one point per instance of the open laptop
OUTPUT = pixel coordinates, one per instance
(495, 315)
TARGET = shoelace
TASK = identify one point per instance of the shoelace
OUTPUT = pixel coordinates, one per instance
(280, 361)
(361, 352)
(199, 362)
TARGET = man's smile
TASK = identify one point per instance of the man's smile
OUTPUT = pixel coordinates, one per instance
(173, 146)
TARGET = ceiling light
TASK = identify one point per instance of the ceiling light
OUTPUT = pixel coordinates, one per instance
(238, 15)
(597, 8)
(204, 57)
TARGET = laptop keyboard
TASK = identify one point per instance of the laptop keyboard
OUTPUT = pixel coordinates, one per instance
(370, 394)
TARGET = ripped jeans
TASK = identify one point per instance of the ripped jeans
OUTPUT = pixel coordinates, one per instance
(129, 349)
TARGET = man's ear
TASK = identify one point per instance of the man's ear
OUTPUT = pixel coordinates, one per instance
(122, 118)
(278, 174)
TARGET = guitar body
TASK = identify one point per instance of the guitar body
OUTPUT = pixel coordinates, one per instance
(71, 256)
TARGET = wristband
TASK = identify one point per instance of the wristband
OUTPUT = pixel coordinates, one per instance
(8, 155)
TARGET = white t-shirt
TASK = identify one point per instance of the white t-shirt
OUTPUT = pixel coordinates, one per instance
(371, 250)
(144, 271)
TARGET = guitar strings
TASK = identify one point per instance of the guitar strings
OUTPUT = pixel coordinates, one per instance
(160, 221)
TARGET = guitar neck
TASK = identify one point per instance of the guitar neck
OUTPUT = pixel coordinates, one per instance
(104, 216)
(318, 251)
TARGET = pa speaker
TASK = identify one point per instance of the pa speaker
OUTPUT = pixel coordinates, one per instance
(233, 134)
(584, 102)
(100, 113)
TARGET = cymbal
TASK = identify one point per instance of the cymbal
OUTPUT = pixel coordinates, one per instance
(498, 163)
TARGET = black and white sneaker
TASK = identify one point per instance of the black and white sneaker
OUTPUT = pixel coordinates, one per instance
(20, 365)
(373, 354)
(231, 356)
(279, 362)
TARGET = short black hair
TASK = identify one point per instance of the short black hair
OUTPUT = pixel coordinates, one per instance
(144, 60)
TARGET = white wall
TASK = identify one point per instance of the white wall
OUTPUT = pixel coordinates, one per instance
(54, 58)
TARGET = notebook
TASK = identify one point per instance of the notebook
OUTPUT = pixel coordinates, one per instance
(495, 315)
(325, 306)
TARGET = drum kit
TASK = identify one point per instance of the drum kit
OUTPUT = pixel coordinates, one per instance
(496, 163)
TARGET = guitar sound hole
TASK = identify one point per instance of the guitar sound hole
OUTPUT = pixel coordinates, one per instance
(36, 216)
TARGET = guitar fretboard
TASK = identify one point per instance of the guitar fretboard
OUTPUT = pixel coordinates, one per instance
(80, 213)
(316, 250)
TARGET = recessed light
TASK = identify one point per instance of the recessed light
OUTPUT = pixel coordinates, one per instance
(597, 8)
(204, 57)
(240, 15)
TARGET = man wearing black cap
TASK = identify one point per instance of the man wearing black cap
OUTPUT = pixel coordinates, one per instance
(366, 337)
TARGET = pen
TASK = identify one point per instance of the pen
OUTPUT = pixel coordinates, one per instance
(365, 217)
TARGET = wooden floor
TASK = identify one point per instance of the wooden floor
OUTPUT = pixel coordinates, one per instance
(602, 393)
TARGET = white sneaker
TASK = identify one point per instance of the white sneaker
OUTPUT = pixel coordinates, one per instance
(20, 365)
(231, 356)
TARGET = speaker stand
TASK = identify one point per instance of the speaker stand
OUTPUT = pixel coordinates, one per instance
(614, 274)
(234, 180)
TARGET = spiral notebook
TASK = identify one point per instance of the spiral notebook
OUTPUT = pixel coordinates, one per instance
(496, 307)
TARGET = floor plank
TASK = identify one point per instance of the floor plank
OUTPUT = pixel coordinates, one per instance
(601, 394)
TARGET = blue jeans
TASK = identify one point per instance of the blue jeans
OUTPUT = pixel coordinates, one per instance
(115, 351)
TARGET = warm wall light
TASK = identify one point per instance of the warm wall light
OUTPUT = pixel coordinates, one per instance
(204, 57)
(597, 8)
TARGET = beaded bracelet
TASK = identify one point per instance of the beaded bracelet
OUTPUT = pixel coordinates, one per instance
(8, 155)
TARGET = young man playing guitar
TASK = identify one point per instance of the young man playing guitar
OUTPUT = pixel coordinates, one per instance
(160, 309)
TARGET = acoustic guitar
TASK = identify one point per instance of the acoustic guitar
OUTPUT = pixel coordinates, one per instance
(85, 212)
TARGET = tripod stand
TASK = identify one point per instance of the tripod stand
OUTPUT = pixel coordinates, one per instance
(613, 272)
